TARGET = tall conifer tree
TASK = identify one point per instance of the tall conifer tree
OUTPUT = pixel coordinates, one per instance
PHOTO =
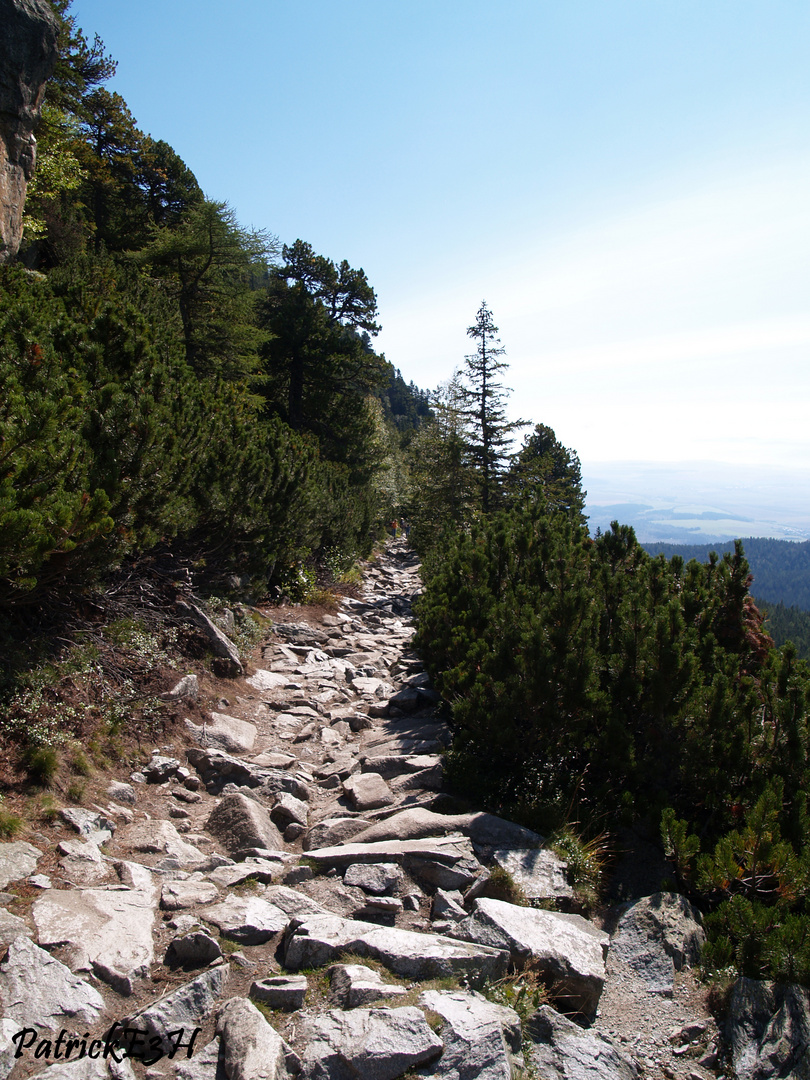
(485, 409)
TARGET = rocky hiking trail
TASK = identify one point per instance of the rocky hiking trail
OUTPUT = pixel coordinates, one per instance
(291, 878)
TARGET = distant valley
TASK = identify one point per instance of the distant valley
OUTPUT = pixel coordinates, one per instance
(698, 502)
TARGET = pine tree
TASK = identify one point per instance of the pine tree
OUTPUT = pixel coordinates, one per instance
(546, 470)
(443, 482)
(485, 410)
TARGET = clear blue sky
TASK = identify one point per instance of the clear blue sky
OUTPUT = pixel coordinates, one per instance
(625, 182)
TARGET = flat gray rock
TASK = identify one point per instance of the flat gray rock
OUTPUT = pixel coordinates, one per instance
(82, 863)
(186, 1007)
(366, 1044)
(292, 902)
(107, 931)
(251, 1048)
(561, 1050)
(17, 861)
(158, 838)
(274, 759)
(224, 732)
(315, 940)
(379, 879)
(485, 830)
(176, 895)
(36, 990)
(538, 872)
(92, 824)
(566, 948)
(247, 919)
(371, 687)
(239, 823)
(264, 681)
(11, 926)
(299, 633)
(354, 985)
(263, 870)
(480, 1038)
(87, 1068)
(447, 905)
(444, 849)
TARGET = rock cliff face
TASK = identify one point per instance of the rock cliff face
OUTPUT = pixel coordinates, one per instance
(27, 59)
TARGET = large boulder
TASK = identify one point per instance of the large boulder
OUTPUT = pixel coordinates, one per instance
(656, 937)
(447, 850)
(480, 1038)
(224, 732)
(251, 1048)
(485, 830)
(366, 1044)
(27, 60)
(567, 949)
(315, 940)
(562, 1050)
(36, 990)
(379, 879)
(240, 823)
(186, 1007)
(176, 895)
(158, 838)
(367, 791)
(768, 1030)
(264, 681)
(334, 830)
(106, 931)
(17, 861)
(258, 869)
(538, 872)
(248, 919)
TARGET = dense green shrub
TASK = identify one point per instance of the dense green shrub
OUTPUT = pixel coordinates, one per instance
(588, 679)
(111, 444)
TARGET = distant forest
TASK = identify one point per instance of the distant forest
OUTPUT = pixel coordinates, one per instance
(781, 585)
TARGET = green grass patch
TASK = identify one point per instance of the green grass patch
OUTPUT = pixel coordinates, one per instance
(10, 824)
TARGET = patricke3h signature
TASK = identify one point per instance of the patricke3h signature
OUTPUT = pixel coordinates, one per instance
(119, 1042)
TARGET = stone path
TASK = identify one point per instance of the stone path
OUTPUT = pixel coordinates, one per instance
(292, 884)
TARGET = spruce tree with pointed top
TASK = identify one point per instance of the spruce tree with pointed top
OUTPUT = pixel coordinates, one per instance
(484, 409)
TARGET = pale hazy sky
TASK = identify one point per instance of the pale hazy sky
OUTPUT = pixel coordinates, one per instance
(624, 181)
